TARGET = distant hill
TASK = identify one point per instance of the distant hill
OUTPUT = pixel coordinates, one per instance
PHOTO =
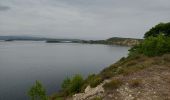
(110, 41)
(116, 41)
(32, 38)
(11, 38)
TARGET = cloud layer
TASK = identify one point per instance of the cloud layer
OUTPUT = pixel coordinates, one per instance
(82, 18)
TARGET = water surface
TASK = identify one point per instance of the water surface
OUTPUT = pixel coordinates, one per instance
(21, 63)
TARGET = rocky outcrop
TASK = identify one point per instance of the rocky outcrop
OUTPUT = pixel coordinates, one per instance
(89, 93)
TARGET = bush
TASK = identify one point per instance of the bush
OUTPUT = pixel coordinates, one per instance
(76, 84)
(37, 92)
(73, 85)
(92, 80)
(65, 86)
(160, 28)
(114, 84)
(96, 81)
(152, 46)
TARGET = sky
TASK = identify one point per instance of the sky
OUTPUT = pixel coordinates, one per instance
(86, 19)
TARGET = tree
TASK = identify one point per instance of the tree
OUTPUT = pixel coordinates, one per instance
(37, 92)
(160, 28)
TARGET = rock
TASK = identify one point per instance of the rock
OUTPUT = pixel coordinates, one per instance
(89, 92)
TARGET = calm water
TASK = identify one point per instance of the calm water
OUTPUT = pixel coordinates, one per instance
(21, 63)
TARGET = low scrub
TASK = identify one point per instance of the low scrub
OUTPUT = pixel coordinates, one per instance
(114, 84)
(93, 80)
(73, 85)
(135, 83)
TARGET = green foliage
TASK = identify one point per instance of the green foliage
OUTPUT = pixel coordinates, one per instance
(37, 92)
(152, 46)
(73, 85)
(92, 80)
(160, 28)
(76, 83)
(96, 81)
(114, 84)
(66, 85)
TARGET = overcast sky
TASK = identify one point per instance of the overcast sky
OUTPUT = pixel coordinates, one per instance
(94, 19)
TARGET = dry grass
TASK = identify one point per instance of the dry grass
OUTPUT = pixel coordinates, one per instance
(114, 84)
(135, 83)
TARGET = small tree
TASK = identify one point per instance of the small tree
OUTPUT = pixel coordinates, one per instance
(37, 92)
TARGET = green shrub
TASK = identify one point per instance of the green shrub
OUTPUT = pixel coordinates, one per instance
(37, 92)
(152, 46)
(76, 84)
(92, 80)
(73, 85)
(96, 81)
(65, 86)
(114, 84)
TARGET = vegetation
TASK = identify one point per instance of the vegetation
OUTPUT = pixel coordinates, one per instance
(153, 46)
(114, 84)
(93, 80)
(140, 56)
(135, 83)
(37, 92)
(156, 43)
(160, 28)
(73, 85)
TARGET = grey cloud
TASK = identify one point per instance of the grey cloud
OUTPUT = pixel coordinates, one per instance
(3, 8)
(83, 18)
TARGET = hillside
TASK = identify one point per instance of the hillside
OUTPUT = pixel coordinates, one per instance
(137, 78)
